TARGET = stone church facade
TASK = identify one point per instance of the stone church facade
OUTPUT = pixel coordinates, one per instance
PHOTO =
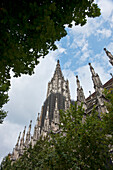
(58, 97)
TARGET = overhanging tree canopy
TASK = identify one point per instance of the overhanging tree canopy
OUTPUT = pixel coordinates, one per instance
(29, 29)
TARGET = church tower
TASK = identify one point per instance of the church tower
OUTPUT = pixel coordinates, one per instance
(58, 97)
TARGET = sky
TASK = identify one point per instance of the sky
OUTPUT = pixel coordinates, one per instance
(81, 45)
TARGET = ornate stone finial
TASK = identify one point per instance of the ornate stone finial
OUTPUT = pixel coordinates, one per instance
(30, 126)
(90, 94)
(78, 82)
(58, 61)
(109, 55)
(92, 70)
(24, 131)
(38, 118)
(111, 75)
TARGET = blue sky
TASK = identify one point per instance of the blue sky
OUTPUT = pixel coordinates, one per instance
(81, 46)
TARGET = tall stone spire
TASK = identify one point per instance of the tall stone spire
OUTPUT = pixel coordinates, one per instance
(80, 94)
(28, 135)
(56, 83)
(99, 90)
(58, 71)
(109, 55)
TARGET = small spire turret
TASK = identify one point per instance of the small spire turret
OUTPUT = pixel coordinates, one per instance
(17, 144)
(99, 90)
(95, 77)
(78, 82)
(28, 135)
(22, 139)
(36, 130)
(80, 94)
(58, 61)
(38, 120)
(92, 70)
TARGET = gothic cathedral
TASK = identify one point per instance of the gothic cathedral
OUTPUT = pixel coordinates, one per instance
(58, 97)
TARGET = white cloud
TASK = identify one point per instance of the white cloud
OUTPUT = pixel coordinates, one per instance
(77, 54)
(68, 40)
(87, 29)
(106, 7)
(8, 136)
(106, 33)
(111, 21)
(60, 48)
(110, 47)
(67, 64)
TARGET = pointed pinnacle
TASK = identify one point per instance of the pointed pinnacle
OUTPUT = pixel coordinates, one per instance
(78, 82)
(18, 139)
(24, 131)
(92, 70)
(58, 61)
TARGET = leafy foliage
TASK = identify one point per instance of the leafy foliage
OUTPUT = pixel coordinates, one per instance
(80, 144)
(4, 87)
(29, 29)
(6, 163)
